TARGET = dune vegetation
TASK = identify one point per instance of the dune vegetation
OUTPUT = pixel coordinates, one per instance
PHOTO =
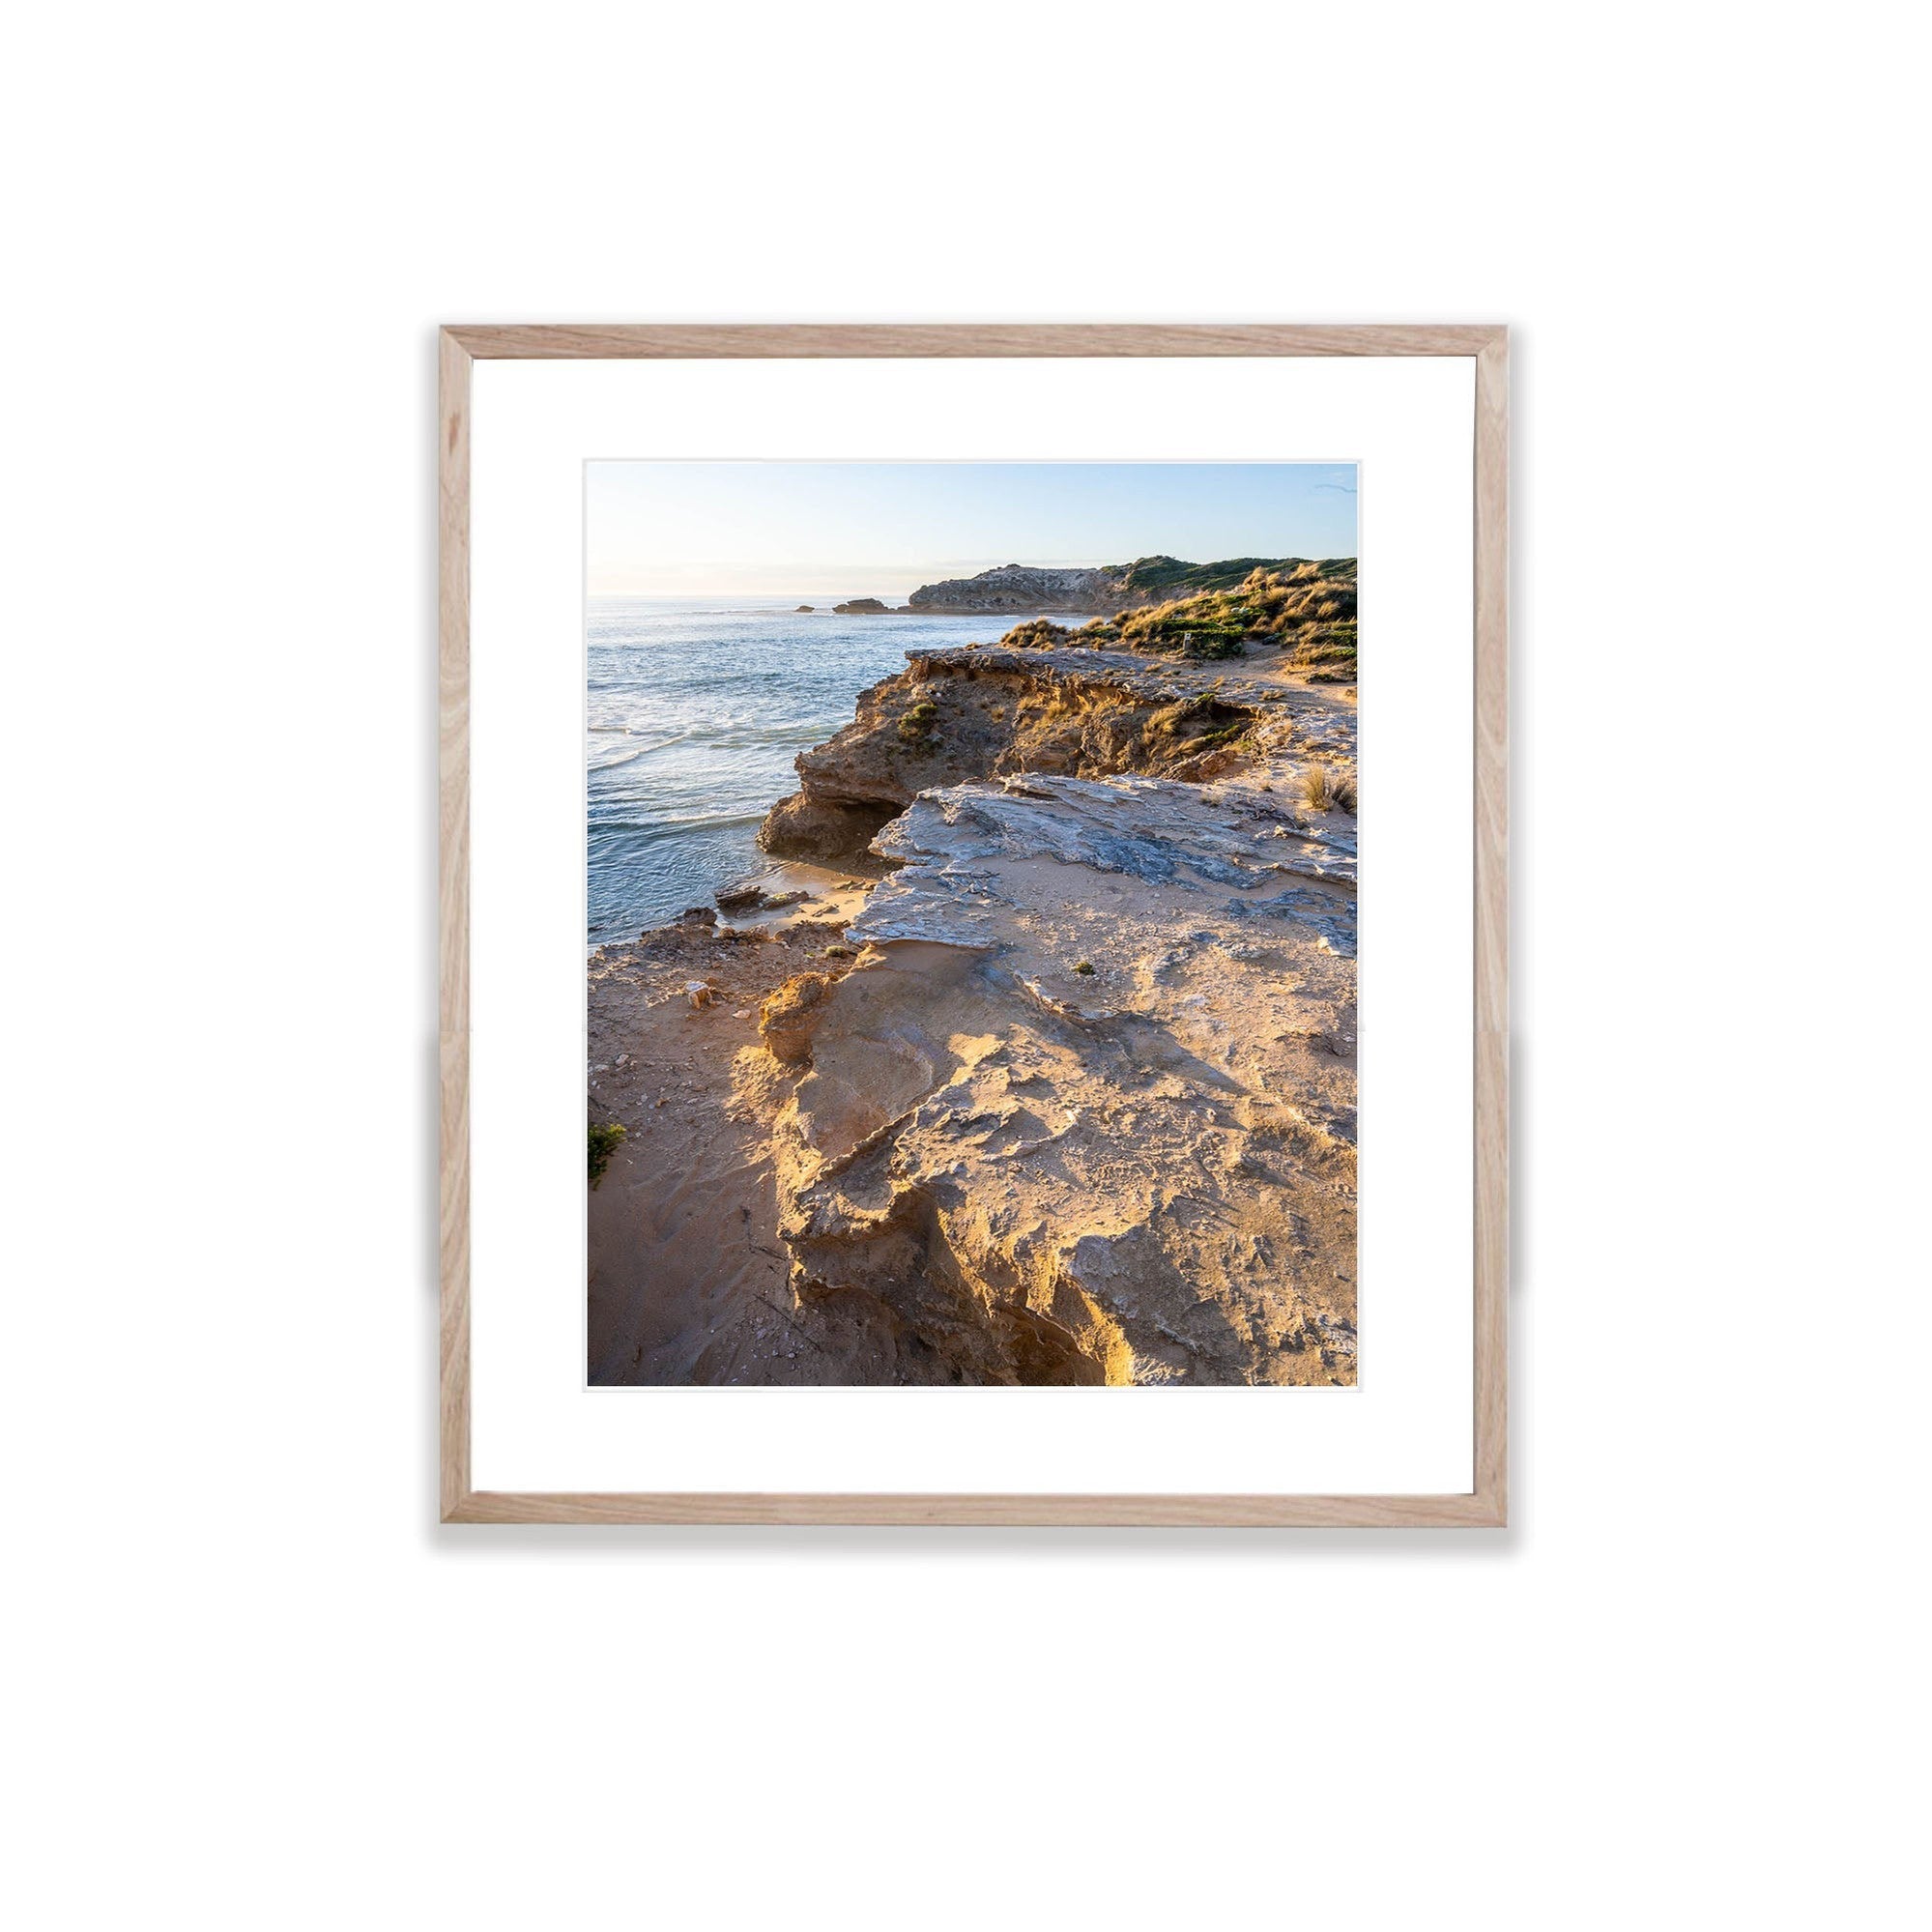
(1304, 607)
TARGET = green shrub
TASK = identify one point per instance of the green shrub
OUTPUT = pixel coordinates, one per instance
(1211, 644)
(1327, 650)
(1215, 621)
(917, 726)
(1173, 578)
(1211, 610)
(605, 1138)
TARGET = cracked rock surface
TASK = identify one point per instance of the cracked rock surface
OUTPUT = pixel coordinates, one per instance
(1141, 1171)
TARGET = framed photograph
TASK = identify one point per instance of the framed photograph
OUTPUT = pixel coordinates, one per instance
(993, 839)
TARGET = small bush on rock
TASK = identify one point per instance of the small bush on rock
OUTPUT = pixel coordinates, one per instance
(919, 724)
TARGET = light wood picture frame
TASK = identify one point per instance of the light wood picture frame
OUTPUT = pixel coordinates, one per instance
(1485, 1505)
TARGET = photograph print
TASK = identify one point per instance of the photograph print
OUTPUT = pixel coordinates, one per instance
(972, 924)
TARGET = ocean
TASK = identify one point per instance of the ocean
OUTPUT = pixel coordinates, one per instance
(695, 710)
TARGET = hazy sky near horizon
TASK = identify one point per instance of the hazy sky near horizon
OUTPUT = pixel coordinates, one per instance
(836, 529)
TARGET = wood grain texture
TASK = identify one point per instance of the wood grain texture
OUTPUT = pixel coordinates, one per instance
(524, 342)
(1487, 1505)
(453, 910)
(1232, 1511)
(1492, 924)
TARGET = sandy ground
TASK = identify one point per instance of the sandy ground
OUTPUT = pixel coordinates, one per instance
(687, 1272)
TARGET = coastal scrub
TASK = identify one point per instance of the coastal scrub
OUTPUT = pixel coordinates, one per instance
(606, 1136)
(1304, 607)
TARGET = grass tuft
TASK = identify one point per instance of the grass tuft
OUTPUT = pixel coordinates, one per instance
(1326, 791)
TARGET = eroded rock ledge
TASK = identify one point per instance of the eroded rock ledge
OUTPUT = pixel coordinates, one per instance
(985, 710)
(1083, 1108)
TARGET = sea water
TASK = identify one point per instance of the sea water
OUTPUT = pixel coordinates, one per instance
(694, 710)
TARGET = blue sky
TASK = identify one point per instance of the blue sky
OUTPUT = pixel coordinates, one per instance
(818, 530)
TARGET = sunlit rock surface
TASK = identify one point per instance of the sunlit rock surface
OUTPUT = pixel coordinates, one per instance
(1084, 1109)
(985, 711)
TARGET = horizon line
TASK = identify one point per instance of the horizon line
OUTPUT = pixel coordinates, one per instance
(948, 571)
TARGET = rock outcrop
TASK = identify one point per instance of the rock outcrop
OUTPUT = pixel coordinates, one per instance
(1084, 1109)
(863, 607)
(1020, 587)
(985, 711)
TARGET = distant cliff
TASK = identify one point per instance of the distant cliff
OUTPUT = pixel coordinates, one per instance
(1103, 591)
(1020, 587)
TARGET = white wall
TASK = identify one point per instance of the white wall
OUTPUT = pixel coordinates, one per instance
(259, 1687)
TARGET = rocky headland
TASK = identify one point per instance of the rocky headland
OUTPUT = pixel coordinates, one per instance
(1147, 581)
(1018, 587)
(1034, 1060)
